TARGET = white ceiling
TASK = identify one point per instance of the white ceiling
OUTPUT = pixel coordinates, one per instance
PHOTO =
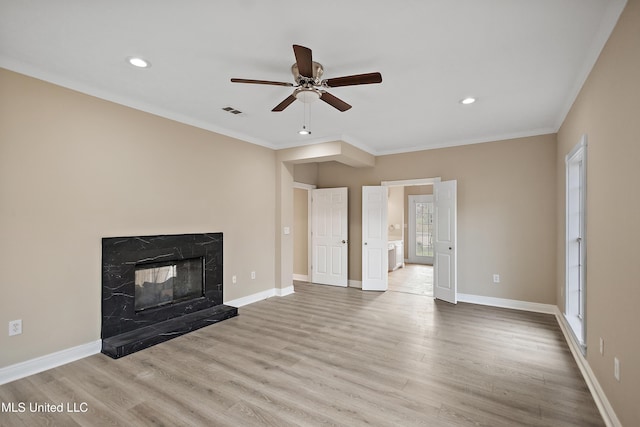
(524, 60)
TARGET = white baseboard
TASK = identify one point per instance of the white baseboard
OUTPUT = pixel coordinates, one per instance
(62, 357)
(283, 292)
(605, 408)
(508, 303)
(250, 299)
(301, 277)
(355, 284)
(49, 361)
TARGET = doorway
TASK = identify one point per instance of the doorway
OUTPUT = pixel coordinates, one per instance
(320, 257)
(410, 233)
(302, 231)
(414, 279)
(443, 275)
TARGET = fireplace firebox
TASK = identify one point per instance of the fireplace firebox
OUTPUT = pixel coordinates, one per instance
(169, 282)
(155, 288)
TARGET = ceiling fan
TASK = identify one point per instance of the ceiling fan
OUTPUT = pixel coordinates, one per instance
(309, 85)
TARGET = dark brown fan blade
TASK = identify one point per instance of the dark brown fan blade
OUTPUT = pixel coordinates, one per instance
(284, 104)
(304, 60)
(334, 101)
(261, 82)
(358, 79)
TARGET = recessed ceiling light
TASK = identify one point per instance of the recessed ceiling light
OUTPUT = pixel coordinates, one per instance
(138, 62)
(467, 101)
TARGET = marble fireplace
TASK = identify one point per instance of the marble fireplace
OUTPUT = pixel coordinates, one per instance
(155, 288)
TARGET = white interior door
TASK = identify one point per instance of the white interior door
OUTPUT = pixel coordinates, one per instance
(375, 252)
(329, 234)
(445, 273)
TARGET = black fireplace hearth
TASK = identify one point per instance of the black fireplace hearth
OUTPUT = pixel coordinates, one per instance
(155, 288)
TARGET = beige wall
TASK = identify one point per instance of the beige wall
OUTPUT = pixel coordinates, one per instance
(506, 211)
(303, 173)
(395, 212)
(74, 169)
(300, 231)
(608, 112)
(306, 173)
(284, 219)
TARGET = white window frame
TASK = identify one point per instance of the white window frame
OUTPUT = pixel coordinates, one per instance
(411, 238)
(575, 314)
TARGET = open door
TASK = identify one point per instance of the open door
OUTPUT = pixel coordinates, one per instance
(445, 274)
(329, 234)
(375, 253)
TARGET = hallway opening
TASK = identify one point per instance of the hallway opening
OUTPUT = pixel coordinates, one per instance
(414, 279)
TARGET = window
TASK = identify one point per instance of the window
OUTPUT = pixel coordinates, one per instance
(421, 216)
(575, 243)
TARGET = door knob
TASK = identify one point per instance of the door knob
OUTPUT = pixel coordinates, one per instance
(365, 243)
(344, 241)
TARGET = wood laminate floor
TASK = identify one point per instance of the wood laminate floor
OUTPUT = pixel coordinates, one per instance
(330, 356)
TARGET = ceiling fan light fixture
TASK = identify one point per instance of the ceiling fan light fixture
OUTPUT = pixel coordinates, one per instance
(307, 95)
(467, 101)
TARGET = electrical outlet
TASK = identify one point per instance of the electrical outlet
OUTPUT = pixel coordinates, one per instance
(234, 279)
(601, 346)
(253, 274)
(496, 278)
(15, 327)
(616, 368)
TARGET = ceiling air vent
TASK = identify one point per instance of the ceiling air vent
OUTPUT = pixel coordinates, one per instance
(232, 110)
